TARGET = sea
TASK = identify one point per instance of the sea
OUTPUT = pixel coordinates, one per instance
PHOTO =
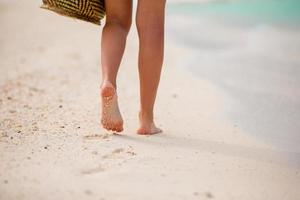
(250, 50)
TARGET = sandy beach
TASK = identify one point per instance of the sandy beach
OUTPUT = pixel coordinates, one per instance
(53, 147)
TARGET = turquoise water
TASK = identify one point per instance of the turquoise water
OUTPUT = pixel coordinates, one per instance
(273, 11)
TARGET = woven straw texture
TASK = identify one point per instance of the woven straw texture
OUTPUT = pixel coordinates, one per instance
(88, 10)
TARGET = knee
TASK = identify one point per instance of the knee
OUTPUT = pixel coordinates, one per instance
(151, 28)
(123, 24)
(151, 33)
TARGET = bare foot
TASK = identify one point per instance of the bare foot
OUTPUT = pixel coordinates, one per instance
(147, 127)
(111, 117)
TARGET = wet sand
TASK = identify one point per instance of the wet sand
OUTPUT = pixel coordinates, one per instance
(52, 146)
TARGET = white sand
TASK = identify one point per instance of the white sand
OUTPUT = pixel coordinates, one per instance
(52, 147)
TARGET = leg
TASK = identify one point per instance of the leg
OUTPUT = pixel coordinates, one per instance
(150, 25)
(115, 31)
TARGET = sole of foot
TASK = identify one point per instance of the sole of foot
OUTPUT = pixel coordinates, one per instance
(111, 117)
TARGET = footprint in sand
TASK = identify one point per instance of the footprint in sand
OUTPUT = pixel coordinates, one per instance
(116, 157)
(114, 154)
(120, 153)
(94, 170)
(96, 136)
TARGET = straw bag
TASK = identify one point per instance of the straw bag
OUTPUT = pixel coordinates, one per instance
(88, 10)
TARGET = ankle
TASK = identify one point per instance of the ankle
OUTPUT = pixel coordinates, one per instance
(146, 116)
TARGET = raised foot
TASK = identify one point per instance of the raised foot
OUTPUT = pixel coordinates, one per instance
(111, 118)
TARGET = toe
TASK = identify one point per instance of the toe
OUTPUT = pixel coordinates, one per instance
(157, 131)
(107, 128)
(148, 131)
(118, 128)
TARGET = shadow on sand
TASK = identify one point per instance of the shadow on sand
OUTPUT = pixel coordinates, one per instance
(166, 140)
